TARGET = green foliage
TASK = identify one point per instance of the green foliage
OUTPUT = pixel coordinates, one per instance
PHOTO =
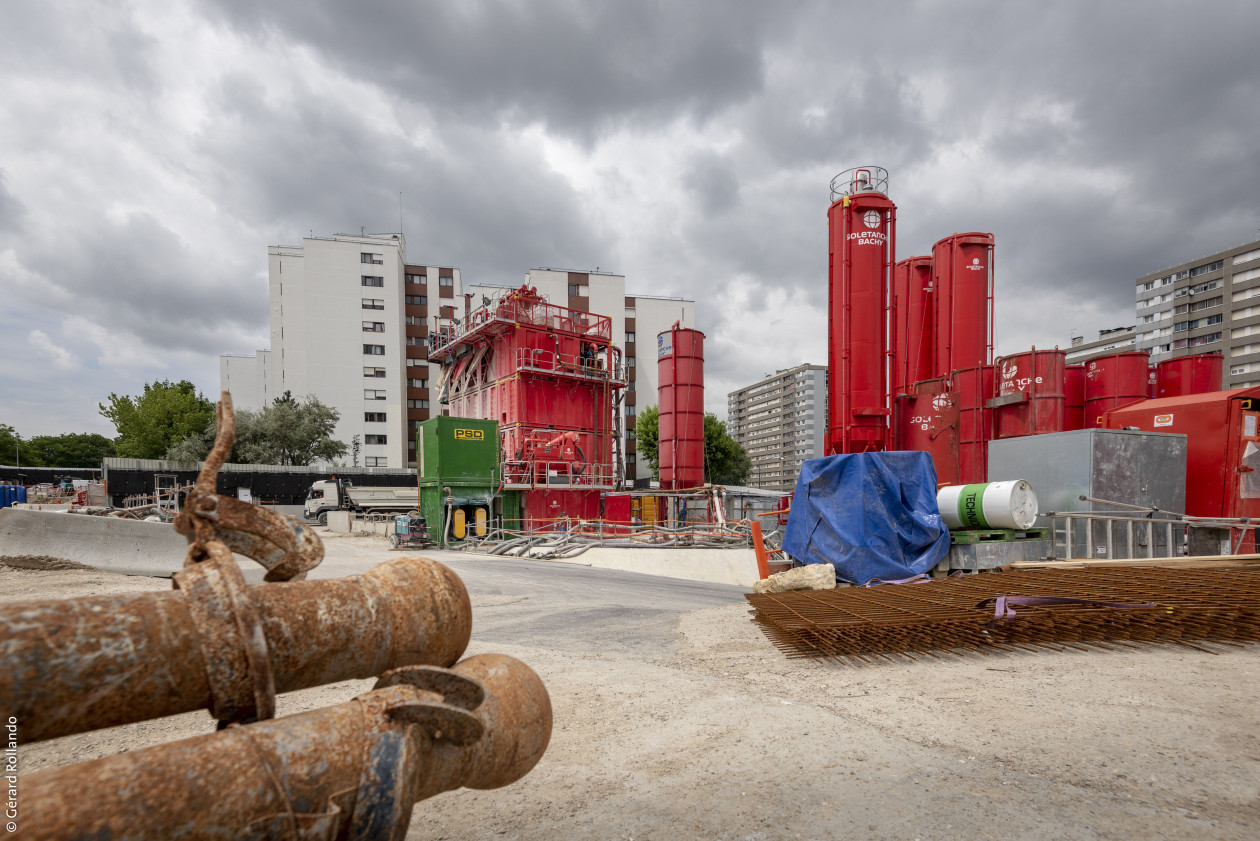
(70, 450)
(647, 436)
(725, 462)
(12, 448)
(289, 431)
(150, 424)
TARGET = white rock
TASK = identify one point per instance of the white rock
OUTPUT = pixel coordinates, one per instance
(808, 577)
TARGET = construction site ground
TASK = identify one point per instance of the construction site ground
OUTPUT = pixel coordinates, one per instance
(675, 718)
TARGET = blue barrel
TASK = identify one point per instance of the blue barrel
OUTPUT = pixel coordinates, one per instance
(20, 493)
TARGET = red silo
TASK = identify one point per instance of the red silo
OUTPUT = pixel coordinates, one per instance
(680, 374)
(913, 314)
(1030, 393)
(962, 266)
(1073, 397)
(973, 387)
(1185, 375)
(1112, 381)
(861, 233)
(928, 420)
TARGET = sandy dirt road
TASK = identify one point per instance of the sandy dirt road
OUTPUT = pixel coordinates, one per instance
(675, 718)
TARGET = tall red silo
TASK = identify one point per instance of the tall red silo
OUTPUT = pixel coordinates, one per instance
(962, 266)
(1030, 393)
(1185, 375)
(862, 244)
(913, 308)
(973, 387)
(680, 374)
(928, 420)
(1073, 397)
(1113, 381)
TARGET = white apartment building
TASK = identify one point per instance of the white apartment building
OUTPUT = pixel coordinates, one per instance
(780, 421)
(1114, 340)
(350, 321)
(636, 322)
(1204, 305)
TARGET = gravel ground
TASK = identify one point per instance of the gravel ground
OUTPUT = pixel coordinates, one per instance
(675, 718)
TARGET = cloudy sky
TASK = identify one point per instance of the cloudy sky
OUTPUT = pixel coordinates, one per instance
(151, 151)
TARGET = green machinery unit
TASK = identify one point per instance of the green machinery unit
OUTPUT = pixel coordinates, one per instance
(458, 467)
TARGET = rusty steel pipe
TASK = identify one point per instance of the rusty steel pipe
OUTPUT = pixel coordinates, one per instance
(72, 665)
(348, 771)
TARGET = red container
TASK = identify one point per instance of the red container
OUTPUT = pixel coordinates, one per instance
(912, 288)
(1185, 375)
(1030, 393)
(927, 420)
(962, 265)
(1152, 384)
(1222, 446)
(1073, 397)
(973, 388)
(1113, 381)
(861, 233)
(680, 373)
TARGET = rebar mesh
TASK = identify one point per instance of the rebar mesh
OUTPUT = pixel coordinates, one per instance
(942, 617)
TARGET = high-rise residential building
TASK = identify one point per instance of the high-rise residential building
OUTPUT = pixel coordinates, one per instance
(780, 421)
(1203, 305)
(636, 321)
(1114, 340)
(350, 319)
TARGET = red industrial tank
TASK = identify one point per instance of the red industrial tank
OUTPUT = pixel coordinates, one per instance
(1030, 393)
(962, 266)
(861, 235)
(1073, 397)
(680, 374)
(927, 420)
(972, 388)
(913, 314)
(1196, 374)
(1112, 381)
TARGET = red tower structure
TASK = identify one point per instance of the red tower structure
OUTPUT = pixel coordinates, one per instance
(550, 376)
(862, 238)
(914, 310)
(963, 268)
(680, 393)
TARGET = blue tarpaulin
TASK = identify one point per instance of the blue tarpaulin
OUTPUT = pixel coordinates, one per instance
(873, 515)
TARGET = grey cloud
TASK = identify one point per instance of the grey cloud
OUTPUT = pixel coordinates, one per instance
(576, 67)
(713, 182)
(11, 210)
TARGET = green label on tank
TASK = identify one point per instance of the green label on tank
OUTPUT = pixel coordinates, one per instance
(971, 508)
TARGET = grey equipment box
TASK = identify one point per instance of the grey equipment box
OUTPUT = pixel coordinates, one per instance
(1133, 467)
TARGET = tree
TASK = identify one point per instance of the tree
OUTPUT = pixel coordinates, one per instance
(288, 431)
(725, 462)
(70, 450)
(13, 449)
(149, 424)
(646, 437)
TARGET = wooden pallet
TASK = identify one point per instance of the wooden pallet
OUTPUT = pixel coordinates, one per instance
(997, 535)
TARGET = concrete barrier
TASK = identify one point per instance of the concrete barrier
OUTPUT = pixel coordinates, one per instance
(129, 547)
(720, 566)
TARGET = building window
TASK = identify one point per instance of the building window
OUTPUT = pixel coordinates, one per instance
(417, 279)
(1210, 267)
(630, 386)
(417, 300)
(413, 320)
(373, 304)
(374, 350)
(629, 361)
(375, 439)
(1210, 338)
(373, 394)
(374, 372)
(446, 281)
(417, 404)
(417, 383)
(374, 417)
(369, 280)
(374, 259)
(417, 360)
(374, 327)
(629, 338)
(418, 341)
(375, 461)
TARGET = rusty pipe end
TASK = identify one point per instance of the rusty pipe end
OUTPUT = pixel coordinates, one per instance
(433, 624)
(517, 718)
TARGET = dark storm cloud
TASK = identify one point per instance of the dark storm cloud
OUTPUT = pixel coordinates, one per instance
(573, 66)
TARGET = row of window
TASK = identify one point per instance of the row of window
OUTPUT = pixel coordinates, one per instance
(374, 280)
(1197, 323)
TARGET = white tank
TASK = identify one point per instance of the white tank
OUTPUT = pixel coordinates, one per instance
(993, 505)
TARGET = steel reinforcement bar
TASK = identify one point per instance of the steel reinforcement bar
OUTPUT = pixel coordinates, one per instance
(1025, 610)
